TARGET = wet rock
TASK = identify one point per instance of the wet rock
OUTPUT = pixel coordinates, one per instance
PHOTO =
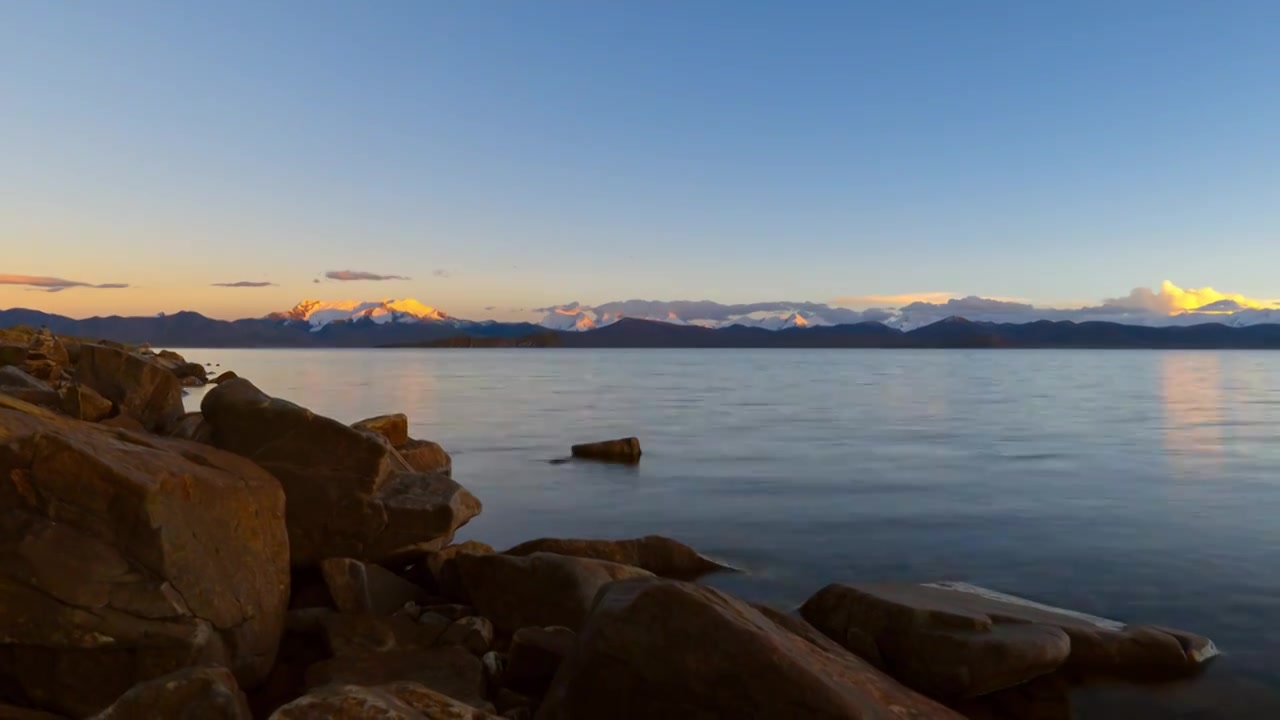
(659, 555)
(540, 589)
(395, 427)
(198, 693)
(396, 701)
(84, 403)
(656, 648)
(956, 640)
(474, 634)
(139, 388)
(426, 456)
(535, 657)
(624, 450)
(358, 587)
(345, 498)
(449, 670)
(127, 557)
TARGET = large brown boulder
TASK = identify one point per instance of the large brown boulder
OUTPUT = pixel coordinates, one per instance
(198, 693)
(178, 365)
(396, 701)
(426, 456)
(18, 384)
(623, 450)
(84, 403)
(958, 640)
(346, 495)
(139, 388)
(656, 648)
(124, 557)
(449, 670)
(661, 556)
(46, 356)
(541, 589)
(394, 427)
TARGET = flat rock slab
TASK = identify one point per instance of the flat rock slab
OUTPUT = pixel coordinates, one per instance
(960, 640)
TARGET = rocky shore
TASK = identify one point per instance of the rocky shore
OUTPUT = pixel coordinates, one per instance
(256, 560)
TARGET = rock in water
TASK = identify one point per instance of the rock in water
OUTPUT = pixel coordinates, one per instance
(540, 589)
(659, 555)
(396, 701)
(624, 450)
(345, 496)
(656, 648)
(199, 693)
(141, 389)
(958, 640)
(127, 557)
(223, 377)
(395, 427)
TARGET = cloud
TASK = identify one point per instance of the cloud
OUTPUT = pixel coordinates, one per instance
(1170, 299)
(441, 273)
(244, 284)
(346, 275)
(52, 284)
(490, 308)
(881, 301)
(316, 281)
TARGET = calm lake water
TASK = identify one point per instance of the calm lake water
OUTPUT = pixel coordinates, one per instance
(1142, 486)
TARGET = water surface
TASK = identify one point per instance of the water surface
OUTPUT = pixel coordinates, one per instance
(1138, 485)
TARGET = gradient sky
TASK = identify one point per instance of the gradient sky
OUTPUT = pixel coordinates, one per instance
(520, 154)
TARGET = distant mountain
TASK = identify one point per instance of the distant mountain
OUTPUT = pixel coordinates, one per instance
(399, 323)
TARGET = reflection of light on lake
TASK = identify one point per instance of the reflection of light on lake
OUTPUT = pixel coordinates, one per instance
(1191, 390)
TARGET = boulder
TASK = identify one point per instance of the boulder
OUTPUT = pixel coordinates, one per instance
(349, 634)
(178, 365)
(84, 403)
(396, 701)
(13, 712)
(437, 570)
(623, 450)
(46, 356)
(13, 352)
(138, 387)
(661, 556)
(394, 427)
(472, 633)
(358, 587)
(426, 456)
(124, 422)
(223, 377)
(126, 557)
(198, 693)
(539, 589)
(192, 426)
(656, 648)
(345, 496)
(955, 640)
(18, 384)
(535, 656)
(449, 670)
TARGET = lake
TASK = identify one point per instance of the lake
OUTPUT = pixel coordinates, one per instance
(1138, 485)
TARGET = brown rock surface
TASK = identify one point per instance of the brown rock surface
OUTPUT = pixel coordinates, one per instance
(358, 587)
(449, 670)
(198, 693)
(394, 427)
(658, 648)
(13, 712)
(956, 640)
(350, 634)
(396, 701)
(139, 388)
(426, 456)
(345, 497)
(438, 571)
(661, 556)
(535, 656)
(84, 403)
(623, 450)
(472, 633)
(192, 426)
(223, 377)
(124, 557)
(540, 589)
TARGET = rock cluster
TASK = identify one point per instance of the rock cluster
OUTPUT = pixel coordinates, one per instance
(256, 560)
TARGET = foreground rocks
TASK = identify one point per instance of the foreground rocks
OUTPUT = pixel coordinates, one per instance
(137, 387)
(346, 497)
(657, 648)
(396, 701)
(624, 450)
(199, 693)
(129, 556)
(659, 555)
(957, 641)
(418, 455)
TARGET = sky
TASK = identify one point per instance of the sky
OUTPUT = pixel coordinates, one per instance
(502, 156)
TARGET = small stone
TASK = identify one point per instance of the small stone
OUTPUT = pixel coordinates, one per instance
(473, 633)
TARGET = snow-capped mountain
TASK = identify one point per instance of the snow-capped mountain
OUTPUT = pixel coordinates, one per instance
(776, 321)
(569, 319)
(319, 313)
(574, 318)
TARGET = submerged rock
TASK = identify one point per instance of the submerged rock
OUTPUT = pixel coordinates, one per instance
(623, 450)
(346, 498)
(656, 648)
(129, 556)
(659, 555)
(958, 640)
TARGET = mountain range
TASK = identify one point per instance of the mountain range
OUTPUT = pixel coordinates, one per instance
(408, 323)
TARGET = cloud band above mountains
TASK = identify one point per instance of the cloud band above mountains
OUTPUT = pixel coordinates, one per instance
(245, 284)
(52, 284)
(349, 275)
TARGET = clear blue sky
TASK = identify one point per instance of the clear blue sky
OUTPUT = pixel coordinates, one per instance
(541, 152)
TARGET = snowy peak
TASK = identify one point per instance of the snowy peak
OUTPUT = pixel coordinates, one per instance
(319, 313)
